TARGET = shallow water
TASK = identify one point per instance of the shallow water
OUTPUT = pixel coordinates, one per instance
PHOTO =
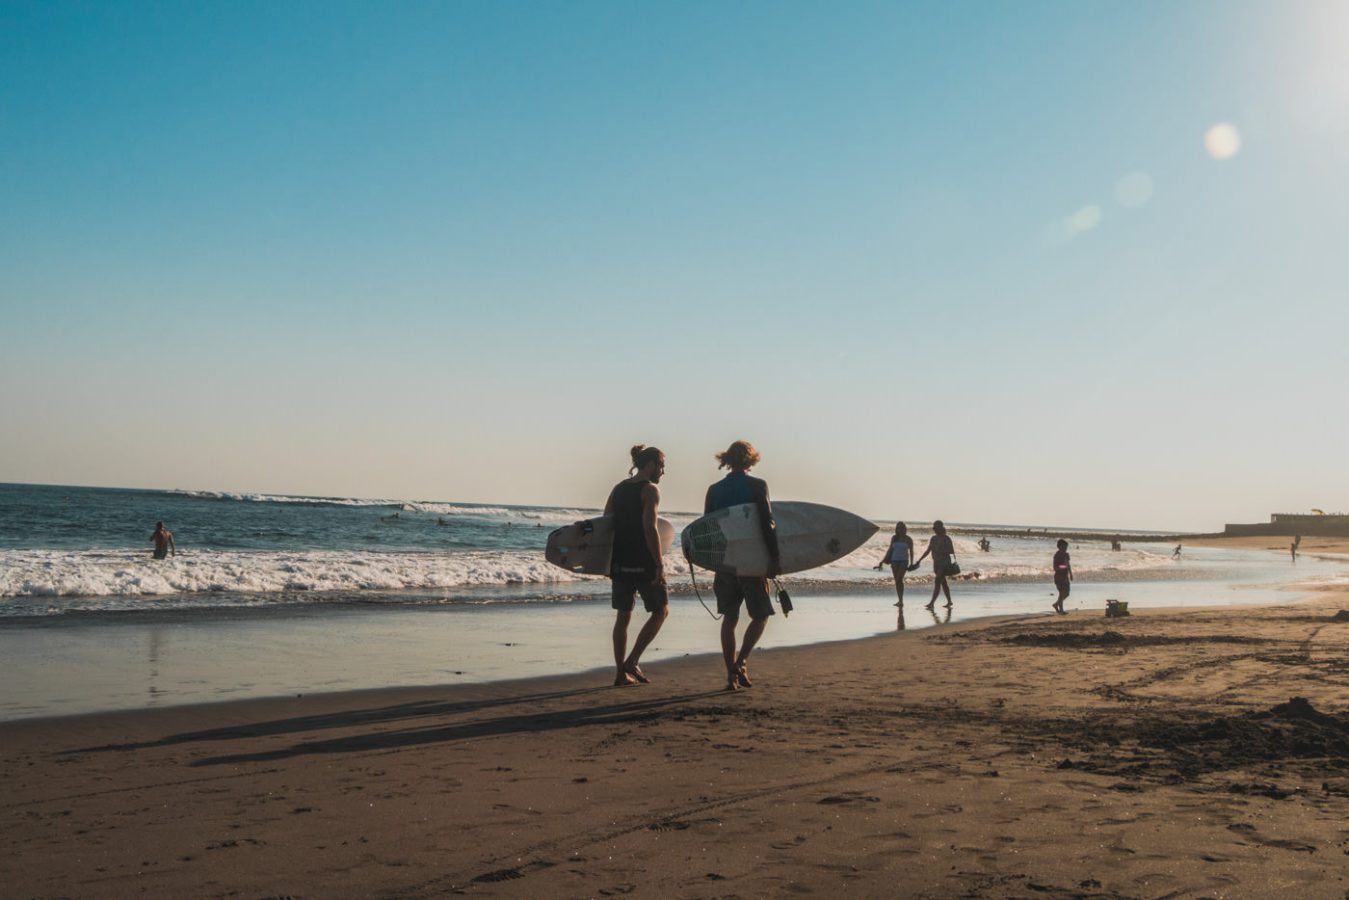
(85, 662)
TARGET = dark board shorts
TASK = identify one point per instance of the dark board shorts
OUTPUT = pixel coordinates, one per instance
(732, 591)
(654, 595)
(1061, 582)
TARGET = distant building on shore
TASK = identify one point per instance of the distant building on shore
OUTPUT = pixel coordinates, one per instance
(1322, 525)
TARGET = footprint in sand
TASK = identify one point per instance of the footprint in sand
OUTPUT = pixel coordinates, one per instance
(848, 797)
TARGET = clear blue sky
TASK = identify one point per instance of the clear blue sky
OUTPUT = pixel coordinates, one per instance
(969, 260)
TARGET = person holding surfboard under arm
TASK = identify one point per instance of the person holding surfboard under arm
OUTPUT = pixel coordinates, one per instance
(736, 488)
(637, 566)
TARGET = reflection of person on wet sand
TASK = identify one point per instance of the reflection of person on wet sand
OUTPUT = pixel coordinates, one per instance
(163, 541)
(897, 557)
(1063, 575)
(943, 550)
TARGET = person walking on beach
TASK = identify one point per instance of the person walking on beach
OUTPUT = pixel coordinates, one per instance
(943, 552)
(1063, 574)
(752, 591)
(636, 566)
(1175, 554)
(163, 541)
(897, 557)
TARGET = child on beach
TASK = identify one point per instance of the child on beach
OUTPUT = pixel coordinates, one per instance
(897, 557)
(1063, 574)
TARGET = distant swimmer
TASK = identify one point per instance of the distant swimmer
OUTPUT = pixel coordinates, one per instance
(163, 541)
(898, 557)
(1175, 554)
(440, 520)
(636, 566)
(984, 545)
(1063, 575)
(1115, 545)
(392, 518)
(943, 552)
(736, 488)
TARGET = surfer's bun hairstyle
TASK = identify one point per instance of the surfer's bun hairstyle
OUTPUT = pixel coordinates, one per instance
(740, 455)
(642, 454)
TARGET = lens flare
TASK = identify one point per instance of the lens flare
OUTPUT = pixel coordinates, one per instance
(1222, 141)
(1134, 189)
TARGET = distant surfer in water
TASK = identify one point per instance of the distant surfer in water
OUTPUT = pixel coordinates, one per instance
(163, 541)
(636, 566)
(1063, 574)
(897, 557)
(943, 551)
(736, 488)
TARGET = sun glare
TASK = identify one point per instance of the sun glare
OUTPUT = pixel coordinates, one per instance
(1222, 141)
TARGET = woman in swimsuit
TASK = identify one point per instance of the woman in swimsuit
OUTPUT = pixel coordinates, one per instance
(943, 550)
(897, 558)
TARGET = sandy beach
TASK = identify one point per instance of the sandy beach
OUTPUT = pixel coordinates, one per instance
(1171, 753)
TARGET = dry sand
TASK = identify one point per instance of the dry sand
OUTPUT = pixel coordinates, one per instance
(1154, 756)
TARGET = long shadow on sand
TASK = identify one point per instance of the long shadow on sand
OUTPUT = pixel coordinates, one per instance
(533, 723)
(344, 719)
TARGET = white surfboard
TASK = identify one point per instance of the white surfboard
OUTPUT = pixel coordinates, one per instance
(809, 535)
(586, 547)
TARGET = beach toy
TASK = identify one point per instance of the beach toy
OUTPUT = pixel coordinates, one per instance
(1116, 608)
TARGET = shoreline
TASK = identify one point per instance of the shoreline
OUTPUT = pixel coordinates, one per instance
(71, 664)
(1106, 757)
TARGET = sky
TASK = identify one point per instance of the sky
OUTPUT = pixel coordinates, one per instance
(1074, 263)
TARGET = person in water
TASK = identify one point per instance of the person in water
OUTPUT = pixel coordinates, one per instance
(736, 488)
(1063, 575)
(163, 541)
(636, 566)
(1175, 554)
(897, 557)
(943, 552)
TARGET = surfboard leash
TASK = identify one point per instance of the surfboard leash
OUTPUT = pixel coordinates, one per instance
(694, 578)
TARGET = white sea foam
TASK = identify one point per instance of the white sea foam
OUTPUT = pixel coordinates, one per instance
(129, 573)
(546, 515)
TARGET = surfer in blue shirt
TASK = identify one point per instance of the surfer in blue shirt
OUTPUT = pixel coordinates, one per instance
(736, 488)
(637, 566)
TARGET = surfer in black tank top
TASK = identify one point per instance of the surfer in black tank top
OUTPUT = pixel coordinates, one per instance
(632, 558)
(636, 566)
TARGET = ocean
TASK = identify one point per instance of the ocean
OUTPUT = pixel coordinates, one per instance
(274, 594)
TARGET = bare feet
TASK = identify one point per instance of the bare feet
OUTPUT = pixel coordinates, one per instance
(636, 672)
(730, 683)
(623, 680)
(742, 676)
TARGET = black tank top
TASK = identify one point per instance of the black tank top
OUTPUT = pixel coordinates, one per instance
(632, 558)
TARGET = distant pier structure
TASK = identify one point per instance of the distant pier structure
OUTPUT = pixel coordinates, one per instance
(1321, 525)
